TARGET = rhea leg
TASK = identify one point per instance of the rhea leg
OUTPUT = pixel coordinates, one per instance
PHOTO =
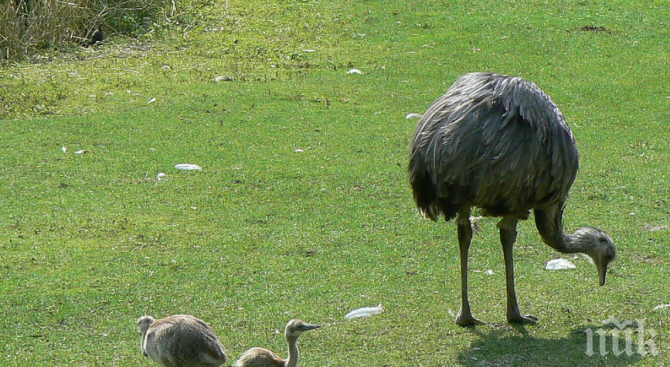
(464, 317)
(507, 238)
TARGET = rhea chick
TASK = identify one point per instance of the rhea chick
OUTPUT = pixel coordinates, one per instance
(180, 341)
(261, 357)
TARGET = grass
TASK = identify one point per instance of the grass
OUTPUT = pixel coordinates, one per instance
(263, 234)
(30, 28)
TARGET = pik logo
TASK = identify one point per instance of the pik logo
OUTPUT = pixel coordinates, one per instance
(624, 333)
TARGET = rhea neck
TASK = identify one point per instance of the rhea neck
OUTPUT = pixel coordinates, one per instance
(549, 222)
(293, 354)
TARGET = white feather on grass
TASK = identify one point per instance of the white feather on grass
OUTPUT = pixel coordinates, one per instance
(188, 167)
(559, 264)
(364, 312)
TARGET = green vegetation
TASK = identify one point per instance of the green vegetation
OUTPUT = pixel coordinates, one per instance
(40, 27)
(302, 208)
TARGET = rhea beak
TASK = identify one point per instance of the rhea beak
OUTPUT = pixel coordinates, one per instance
(602, 269)
(311, 327)
(602, 272)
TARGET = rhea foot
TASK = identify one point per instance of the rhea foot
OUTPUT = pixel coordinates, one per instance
(467, 320)
(524, 320)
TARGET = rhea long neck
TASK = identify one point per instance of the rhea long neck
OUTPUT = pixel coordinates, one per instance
(293, 354)
(549, 222)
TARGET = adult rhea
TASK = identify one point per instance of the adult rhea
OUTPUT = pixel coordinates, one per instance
(499, 143)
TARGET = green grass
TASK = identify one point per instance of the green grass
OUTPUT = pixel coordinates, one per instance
(90, 242)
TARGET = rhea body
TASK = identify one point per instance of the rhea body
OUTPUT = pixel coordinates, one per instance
(96, 37)
(500, 143)
(180, 341)
(261, 357)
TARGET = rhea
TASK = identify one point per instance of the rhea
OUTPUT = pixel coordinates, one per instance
(180, 341)
(261, 357)
(499, 143)
(96, 37)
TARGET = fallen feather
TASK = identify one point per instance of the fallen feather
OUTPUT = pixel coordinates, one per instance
(650, 228)
(354, 71)
(151, 101)
(160, 176)
(299, 150)
(558, 264)
(188, 167)
(662, 306)
(82, 151)
(476, 223)
(364, 312)
(64, 149)
(489, 272)
(413, 116)
(223, 78)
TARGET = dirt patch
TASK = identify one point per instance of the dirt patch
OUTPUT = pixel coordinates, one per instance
(593, 28)
(647, 259)
(652, 228)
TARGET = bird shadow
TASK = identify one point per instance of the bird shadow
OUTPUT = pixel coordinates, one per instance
(515, 346)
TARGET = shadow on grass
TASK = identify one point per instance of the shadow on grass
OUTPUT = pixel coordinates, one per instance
(504, 347)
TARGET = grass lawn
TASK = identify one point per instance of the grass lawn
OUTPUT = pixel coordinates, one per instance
(302, 208)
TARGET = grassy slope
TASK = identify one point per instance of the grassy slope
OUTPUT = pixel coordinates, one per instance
(263, 234)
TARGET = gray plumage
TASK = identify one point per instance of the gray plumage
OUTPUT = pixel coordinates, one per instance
(501, 144)
(180, 341)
